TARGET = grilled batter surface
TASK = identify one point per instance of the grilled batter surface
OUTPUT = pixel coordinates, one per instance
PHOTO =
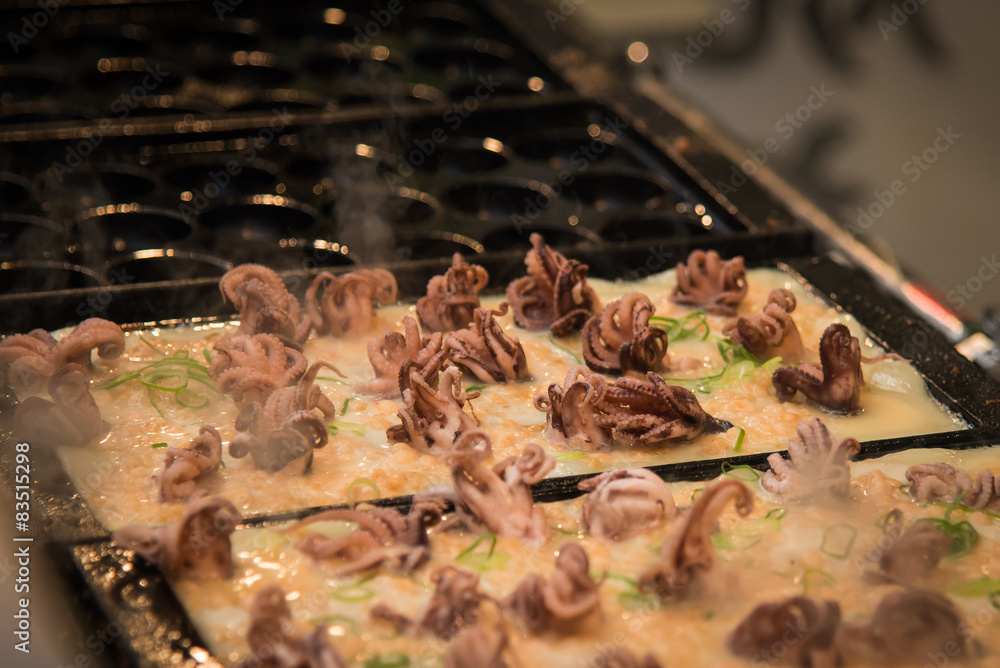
(116, 475)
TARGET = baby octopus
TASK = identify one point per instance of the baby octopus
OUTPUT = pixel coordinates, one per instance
(688, 550)
(708, 282)
(771, 334)
(71, 418)
(554, 294)
(383, 536)
(452, 299)
(589, 410)
(250, 368)
(485, 351)
(264, 303)
(196, 547)
(817, 465)
(389, 352)
(341, 306)
(281, 434)
(27, 361)
(836, 382)
(620, 338)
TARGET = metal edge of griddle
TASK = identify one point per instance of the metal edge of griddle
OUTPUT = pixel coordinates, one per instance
(155, 629)
(154, 302)
(896, 326)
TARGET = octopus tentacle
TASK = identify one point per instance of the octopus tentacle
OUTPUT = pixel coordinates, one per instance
(836, 382)
(771, 334)
(708, 282)
(688, 551)
(817, 465)
(554, 294)
(72, 418)
(484, 350)
(342, 306)
(388, 353)
(452, 299)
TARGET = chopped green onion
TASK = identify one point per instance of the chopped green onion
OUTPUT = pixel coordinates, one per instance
(353, 593)
(967, 509)
(708, 615)
(739, 439)
(189, 399)
(742, 472)
(393, 660)
(565, 350)
(620, 578)
(633, 600)
(739, 363)
(207, 355)
(483, 561)
(696, 492)
(172, 374)
(359, 483)
(721, 541)
(352, 427)
(331, 379)
(776, 513)
(771, 365)
(152, 400)
(492, 537)
(983, 586)
(964, 536)
(579, 454)
(905, 489)
(686, 327)
(838, 541)
(476, 388)
(746, 534)
(165, 382)
(815, 577)
(120, 379)
(343, 409)
(995, 600)
(155, 349)
(158, 445)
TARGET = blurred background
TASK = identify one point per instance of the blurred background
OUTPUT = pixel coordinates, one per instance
(842, 98)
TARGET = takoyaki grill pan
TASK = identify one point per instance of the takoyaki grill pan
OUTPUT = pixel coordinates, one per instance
(150, 146)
